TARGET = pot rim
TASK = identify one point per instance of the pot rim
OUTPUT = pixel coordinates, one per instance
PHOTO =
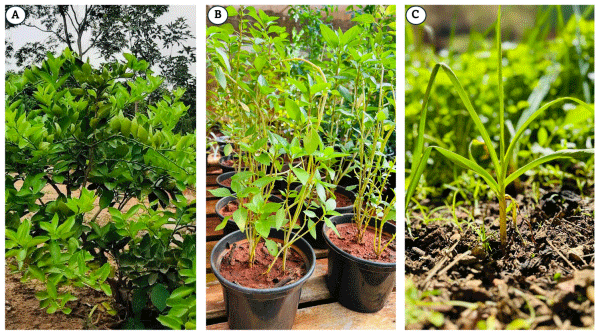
(233, 197)
(311, 259)
(225, 176)
(335, 248)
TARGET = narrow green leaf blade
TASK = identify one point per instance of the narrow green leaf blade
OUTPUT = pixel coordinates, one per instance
(563, 154)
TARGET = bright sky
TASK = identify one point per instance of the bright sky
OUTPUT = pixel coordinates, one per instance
(22, 35)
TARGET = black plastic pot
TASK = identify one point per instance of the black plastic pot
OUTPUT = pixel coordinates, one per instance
(224, 177)
(231, 226)
(319, 242)
(226, 168)
(249, 308)
(358, 284)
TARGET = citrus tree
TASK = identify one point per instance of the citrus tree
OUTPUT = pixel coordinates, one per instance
(77, 146)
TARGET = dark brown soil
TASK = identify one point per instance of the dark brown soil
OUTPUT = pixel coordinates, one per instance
(342, 201)
(545, 278)
(235, 267)
(22, 309)
(347, 242)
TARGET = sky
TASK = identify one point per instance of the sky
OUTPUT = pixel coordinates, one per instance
(22, 35)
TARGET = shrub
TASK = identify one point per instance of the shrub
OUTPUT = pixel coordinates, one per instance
(66, 128)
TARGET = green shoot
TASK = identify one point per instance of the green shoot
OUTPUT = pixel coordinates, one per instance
(501, 159)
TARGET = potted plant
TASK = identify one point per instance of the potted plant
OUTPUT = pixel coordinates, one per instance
(263, 265)
(361, 259)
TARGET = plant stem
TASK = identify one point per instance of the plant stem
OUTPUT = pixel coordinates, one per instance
(502, 203)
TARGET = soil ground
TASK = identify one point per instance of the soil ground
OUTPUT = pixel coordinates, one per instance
(22, 309)
(23, 312)
(546, 276)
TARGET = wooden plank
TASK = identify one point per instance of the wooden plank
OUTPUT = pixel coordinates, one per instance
(210, 206)
(319, 253)
(211, 223)
(313, 290)
(335, 316)
(211, 179)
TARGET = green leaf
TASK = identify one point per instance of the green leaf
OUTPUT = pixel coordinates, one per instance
(311, 141)
(280, 218)
(182, 292)
(51, 288)
(364, 18)
(310, 214)
(468, 164)
(321, 193)
(220, 192)
(563, 154)
(23, 231)
(533, 116)
(263, 227)
(106, 289)
(301, 174)
(350, 35)
(329, 36)
(170, 321)
(103, 272)
(331, 225)
(158, 296)
(293, 110)
(224, 59)
(36, 273)
(240, 217)
(330, 204)
(220, 77)
(345, 93)
(271, 247)
(222, 225)
(478, 124)
(231, 11)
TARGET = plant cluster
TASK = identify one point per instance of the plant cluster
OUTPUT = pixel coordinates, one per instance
(66, 130)
(501, 161)
(297, 121)
(536, 71)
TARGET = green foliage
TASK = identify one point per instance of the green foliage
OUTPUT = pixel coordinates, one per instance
(535, 72)
(75, 138)
(501, 160)
(110, 31)
(284, 115)
(416, 308)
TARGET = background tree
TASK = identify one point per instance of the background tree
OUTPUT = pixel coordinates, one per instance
(108, 32)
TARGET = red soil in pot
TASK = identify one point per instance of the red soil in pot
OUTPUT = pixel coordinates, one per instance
(228, 209)
(226, 182)
(235, 267)
(233, 162)
(342, 201)
(347, 242)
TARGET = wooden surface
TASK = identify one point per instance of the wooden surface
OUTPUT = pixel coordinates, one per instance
(335, 316)
(316, 310)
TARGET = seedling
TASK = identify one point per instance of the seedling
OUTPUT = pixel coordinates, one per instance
(501, 159)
